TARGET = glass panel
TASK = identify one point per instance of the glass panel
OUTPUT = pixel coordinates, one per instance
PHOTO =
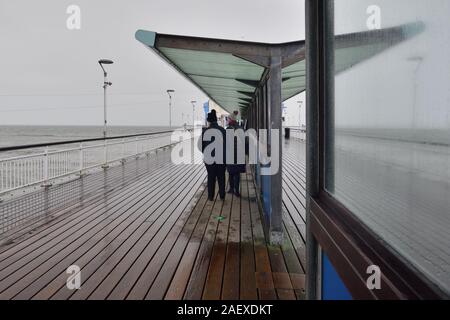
(217, 74)
(392, 125)
(294, 80)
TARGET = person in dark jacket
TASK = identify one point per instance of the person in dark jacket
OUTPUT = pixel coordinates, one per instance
(235, 169)
(216, 170)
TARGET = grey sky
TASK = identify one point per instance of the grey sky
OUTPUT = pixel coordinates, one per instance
(50, 75)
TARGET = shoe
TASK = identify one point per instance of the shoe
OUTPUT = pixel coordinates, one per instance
(210, 199)
(222, 198)
(230, 191)
(237, 194)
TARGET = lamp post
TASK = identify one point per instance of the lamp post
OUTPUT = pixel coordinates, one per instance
(300, 105)
(106, 84)
(193, 113)
(418, 61)
(170, 92)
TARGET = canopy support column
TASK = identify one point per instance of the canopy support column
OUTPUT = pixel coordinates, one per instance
(275, 124)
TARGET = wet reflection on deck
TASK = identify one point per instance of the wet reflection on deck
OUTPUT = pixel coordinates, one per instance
(145, 230)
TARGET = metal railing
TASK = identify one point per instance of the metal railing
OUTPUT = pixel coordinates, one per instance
(48, 163)
(298, 133)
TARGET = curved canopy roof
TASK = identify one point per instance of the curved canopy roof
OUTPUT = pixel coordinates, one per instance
(229, 72)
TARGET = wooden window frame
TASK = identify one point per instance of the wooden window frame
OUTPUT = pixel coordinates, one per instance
(348, 243)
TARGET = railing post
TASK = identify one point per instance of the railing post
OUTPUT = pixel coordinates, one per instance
(45, 168)
(81, 160)
(105, 154)
(136, 148)
(48, 166)
(123, 151)
(3, 178)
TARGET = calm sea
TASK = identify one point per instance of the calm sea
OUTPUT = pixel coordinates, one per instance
(20, 135)
(24, 135)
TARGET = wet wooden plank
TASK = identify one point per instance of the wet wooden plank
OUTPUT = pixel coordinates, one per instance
(131, 231)
(264, 278)
(194, 289)
(60, 202)
(126, 227)
(147, 277)
(55, 232)
(230, 288)
(213, 283)
(248, 289)
(159, 287)
(80, 240)
(180, 281)
(281, 280)
(153, 238)
(127, 270)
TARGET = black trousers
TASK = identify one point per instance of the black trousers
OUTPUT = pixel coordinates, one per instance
(235, 180)
(216, 172)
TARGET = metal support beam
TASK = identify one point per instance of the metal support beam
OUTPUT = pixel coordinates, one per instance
(275, 123)
(262, 61)
(320, 73)
(213, 45)
(248, 94)
(245, 100)
(312, 140)
(251, 83)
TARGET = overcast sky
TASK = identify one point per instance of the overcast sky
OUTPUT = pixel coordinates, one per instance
(50, 75)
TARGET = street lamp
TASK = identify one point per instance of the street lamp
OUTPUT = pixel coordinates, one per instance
(170, 92)
(300, 105)
(193, 112)
(106, 84)
(418, 61)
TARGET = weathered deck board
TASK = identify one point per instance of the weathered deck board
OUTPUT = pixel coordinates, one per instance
(145, 230)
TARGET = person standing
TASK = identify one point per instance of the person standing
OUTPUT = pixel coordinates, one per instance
(216, 169)
(235, 168)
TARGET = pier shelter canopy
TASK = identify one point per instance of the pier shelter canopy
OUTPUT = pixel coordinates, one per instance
(256, 78)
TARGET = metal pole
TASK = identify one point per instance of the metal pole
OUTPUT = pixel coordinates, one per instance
(312, 8)
(105, 85)
(46, 169)
(81, 159)
(300, 104)
(170, 111)
(319, 118)
(169, 93)
(105, 154)
(193, 113)
(105, 147)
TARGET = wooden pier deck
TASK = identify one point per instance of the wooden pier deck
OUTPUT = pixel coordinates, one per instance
(145, 230)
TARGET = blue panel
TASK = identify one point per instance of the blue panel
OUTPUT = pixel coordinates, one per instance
(206, 107)
(146, 37)
(332, 286)
(257, 176)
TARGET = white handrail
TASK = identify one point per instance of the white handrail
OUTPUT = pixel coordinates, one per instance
(298, 133)
(44, 167)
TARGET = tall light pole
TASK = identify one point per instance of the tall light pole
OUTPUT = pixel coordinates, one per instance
(300, 105)
(170, 92)
(418, 60)
(106, 84)
(193, 112)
